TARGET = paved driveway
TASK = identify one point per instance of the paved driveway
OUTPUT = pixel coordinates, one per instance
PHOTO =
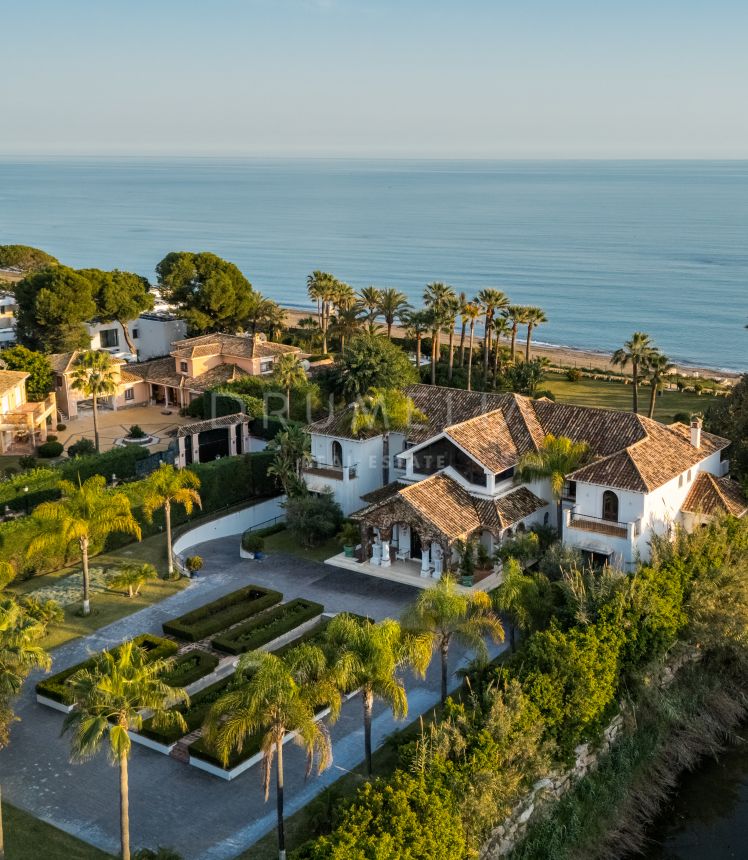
(172, 803)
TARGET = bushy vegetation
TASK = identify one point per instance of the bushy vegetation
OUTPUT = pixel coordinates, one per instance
(267, 626)
(56, 687)
(50, 449)
(313, 519)
(190, 667)
(221, 613)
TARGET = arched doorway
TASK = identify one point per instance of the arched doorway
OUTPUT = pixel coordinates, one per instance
(610, 506)
(337, 454)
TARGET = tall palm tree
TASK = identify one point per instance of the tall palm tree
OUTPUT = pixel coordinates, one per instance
(94, 375)
(343, 297)
(347, 323)
(636, 351)
(492, 301)
(85, 514)
(463, 300)
(291, 448)
(20, 653)
(451, 310)
(533, 317)
(322, 287)
(370, 657)
(385, 410)
(416, 326)
(521, 597)
(109, 699)
(471, 312)
(167, 486)
(370, 299)
(501, 329)
(278, 699)
(392, 303)
(515, 316)
(557, 457)
(436, 297)
(446, 615)
(289, 373)
(657, 368)
(259, 312)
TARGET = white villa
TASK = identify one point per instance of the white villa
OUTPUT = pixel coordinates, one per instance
(452, 478)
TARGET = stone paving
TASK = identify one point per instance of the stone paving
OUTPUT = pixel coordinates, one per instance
(171, 803)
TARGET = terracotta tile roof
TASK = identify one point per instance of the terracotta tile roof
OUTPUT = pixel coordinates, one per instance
(62, 362)
(219, 375)
(710, 495)
(159, 371)
(383, 493)
(444, 503)
(213, 424)
(604, 430)
(498, 514)
(10, 378)
(243, 346)
(126, 376)
(497, 439)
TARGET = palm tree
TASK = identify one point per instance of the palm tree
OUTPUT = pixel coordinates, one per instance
(289, 373)
(370, 300)
(515, 316)
(277, 700)
(470, 312)
(657, 368)
(109, 699)
(637, 351)
(347, 323)
(259, 312)
(392, 304)
(85, 514)
(521, 597)
(20, 653)
(384, 410)
(321, 287)
(369, 657)
(463, 300)
(291, 448)
(501, 329)
(447, 615)
(451, 310)
(492, 301)
(133, 578)
(557, 457)
(417, 325)
(94, 375)
(343, 296)
(533, 317)
(167, 486)
(310, 332)
(436, 298)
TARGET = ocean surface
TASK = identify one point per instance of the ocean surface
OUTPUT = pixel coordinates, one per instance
(605, 248)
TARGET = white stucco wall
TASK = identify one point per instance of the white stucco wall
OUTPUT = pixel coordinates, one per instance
(364, 454)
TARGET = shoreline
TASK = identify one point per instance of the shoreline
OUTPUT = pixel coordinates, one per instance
(567, 356)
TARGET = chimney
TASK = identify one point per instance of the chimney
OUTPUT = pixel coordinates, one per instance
(696, 431)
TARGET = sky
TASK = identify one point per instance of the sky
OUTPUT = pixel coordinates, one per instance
(375, 78)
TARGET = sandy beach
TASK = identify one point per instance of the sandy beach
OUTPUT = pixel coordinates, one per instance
(558, 355)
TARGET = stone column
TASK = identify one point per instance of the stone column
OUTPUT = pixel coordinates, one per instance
(181, 457)
(438, 561)
(195, 442)
(376, 553)
(425, 559)
(232, 440)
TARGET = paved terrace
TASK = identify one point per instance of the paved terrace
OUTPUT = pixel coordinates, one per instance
(172, 803)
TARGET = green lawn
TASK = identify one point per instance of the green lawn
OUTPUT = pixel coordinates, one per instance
(28, 838)
(107, 606)
(285, 542)
(617, 395)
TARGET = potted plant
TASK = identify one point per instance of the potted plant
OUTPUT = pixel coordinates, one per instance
(253, 544)
(348, 537)
(466, 552)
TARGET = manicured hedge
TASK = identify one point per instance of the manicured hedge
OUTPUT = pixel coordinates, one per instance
(56, 687)
(194, 714)
(222, 613)
(190, 667)
(118, 461)
(264, 628)
(200, 749)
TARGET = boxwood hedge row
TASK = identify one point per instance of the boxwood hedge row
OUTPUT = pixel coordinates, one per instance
(260, 630)
(56, 687)
(194, 714)
(190, 667)
(222, 613)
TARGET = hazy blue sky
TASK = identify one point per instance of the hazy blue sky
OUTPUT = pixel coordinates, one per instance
(496, 78)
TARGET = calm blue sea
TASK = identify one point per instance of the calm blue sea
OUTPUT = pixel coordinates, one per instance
(604, 247)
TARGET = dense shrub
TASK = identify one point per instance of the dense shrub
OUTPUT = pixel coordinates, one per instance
(56, 686)
(193, 563)
(190, 667)
(573, 374)
(50, 449)
(230, 480)
(119, 461)
(313, 519)
(82, 448)
(222, 613)
(136, 432)
(194, 714)
(252, 542)
(269, 625)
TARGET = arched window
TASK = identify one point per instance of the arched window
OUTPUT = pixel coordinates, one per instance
(337, 454)
(610, 506)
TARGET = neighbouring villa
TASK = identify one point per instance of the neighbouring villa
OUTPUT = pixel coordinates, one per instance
(195, 365)
(22, 424)
(417, 493)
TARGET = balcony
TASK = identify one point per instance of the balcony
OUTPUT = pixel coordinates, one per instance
(598, 525)
(30, 415)
(332, 471)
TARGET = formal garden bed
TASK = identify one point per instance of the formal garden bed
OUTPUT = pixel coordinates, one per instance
(267, 627)
(55, 691)
(222, 613)
(191, 667)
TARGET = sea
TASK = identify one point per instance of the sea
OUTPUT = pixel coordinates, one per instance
(606, 248)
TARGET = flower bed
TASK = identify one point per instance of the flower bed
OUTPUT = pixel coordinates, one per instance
(222, 613)
(190, 667)
(266, 627)
(56, 687)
